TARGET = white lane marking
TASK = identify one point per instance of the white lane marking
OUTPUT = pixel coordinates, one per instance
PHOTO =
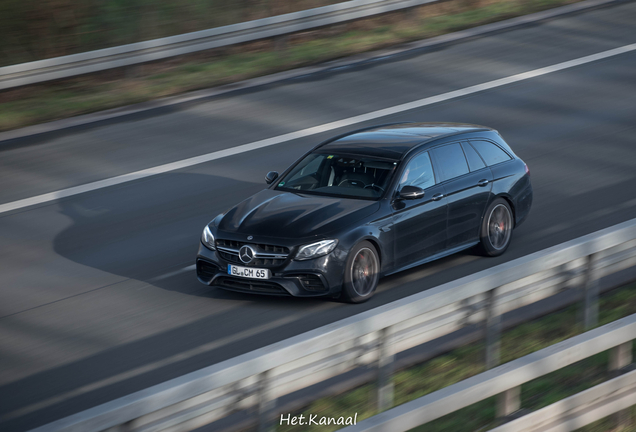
(159, 364)
(174, 273)
(185, 163)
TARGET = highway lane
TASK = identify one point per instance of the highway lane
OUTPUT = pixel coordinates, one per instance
(84, 313)
(139, 142)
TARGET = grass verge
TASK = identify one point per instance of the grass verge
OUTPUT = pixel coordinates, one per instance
(468, 361)
(45, 102)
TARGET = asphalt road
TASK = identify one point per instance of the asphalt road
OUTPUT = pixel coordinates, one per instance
(94, 299)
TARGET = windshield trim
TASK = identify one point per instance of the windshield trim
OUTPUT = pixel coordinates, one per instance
(325, 194)
(351, 155)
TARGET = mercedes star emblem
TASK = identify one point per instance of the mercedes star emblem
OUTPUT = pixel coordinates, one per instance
(246, 254)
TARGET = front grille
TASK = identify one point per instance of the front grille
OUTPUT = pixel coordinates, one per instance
(206, 270)
(251, 285)
(230, 257)
(259, 262)
(264, 247)
(266, 255)
(310, 282)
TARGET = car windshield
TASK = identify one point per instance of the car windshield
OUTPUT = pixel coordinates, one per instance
(338, 175)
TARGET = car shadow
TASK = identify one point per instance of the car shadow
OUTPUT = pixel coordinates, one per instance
(151, 234)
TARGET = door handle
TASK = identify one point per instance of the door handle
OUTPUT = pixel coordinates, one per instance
(482, 183)
(438, 196)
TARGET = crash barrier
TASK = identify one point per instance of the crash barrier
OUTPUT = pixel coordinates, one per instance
(157, 49)
(569, 414)
(256, 379)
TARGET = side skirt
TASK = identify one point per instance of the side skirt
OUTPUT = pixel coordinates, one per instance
(434, 257)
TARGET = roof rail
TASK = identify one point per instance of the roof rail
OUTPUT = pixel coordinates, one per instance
(337, 137)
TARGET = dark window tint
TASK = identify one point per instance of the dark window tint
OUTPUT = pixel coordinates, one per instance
(451, 161)
(474, 161)
(490, 152)
(339, 176)
(418, 172)
(312, 167)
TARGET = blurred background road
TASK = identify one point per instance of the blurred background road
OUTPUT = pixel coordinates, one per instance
(97, 295)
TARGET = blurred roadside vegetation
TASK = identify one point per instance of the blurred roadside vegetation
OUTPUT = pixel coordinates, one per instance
(61, 26)
(467, 361)
(37, 29)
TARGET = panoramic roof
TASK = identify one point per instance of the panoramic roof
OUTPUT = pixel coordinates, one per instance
(393, 141)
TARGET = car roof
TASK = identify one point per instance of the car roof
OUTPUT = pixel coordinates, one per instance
(395, 140)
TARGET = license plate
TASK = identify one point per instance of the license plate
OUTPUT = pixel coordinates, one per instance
(248, 272)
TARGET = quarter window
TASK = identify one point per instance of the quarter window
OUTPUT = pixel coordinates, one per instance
(418, 172)
(490, 153)
(451, 161)
(474, 161)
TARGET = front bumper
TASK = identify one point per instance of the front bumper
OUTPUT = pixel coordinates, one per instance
(311, 278)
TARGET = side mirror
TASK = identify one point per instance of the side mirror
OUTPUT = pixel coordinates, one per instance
(271, 176)
(410, 193)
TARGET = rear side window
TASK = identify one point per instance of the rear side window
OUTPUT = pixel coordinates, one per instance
(451, 161)
(474, 161)
(490, 153)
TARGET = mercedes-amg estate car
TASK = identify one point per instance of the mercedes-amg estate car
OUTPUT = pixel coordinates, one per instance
(367, 204)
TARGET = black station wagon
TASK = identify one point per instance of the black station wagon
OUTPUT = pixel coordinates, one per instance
(367, 204)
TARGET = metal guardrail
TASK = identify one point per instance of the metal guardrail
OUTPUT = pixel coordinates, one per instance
(157, 49)
(258, 378)
(568, 414)
(581, 409)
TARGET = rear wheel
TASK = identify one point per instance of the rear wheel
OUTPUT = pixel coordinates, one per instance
(361, 273)
(496, 228)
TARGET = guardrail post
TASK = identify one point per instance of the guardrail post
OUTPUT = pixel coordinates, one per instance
(508, 402)
(620, 357)
(266, 403)
(281, 44)
(493, 331)
(385, 370)
(590, 293)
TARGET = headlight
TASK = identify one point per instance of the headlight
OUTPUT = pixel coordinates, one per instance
(207, 238)
(316, 250)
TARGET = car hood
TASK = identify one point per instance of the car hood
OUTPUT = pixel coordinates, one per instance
(273, 213)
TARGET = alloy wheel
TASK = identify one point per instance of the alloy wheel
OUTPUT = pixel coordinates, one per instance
(363, 272)
(499, 226)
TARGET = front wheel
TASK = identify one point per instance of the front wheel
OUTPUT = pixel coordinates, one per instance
(361, 273)
(496, 228)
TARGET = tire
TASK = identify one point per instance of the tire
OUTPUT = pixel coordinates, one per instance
(361, 273)
(496, 228)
